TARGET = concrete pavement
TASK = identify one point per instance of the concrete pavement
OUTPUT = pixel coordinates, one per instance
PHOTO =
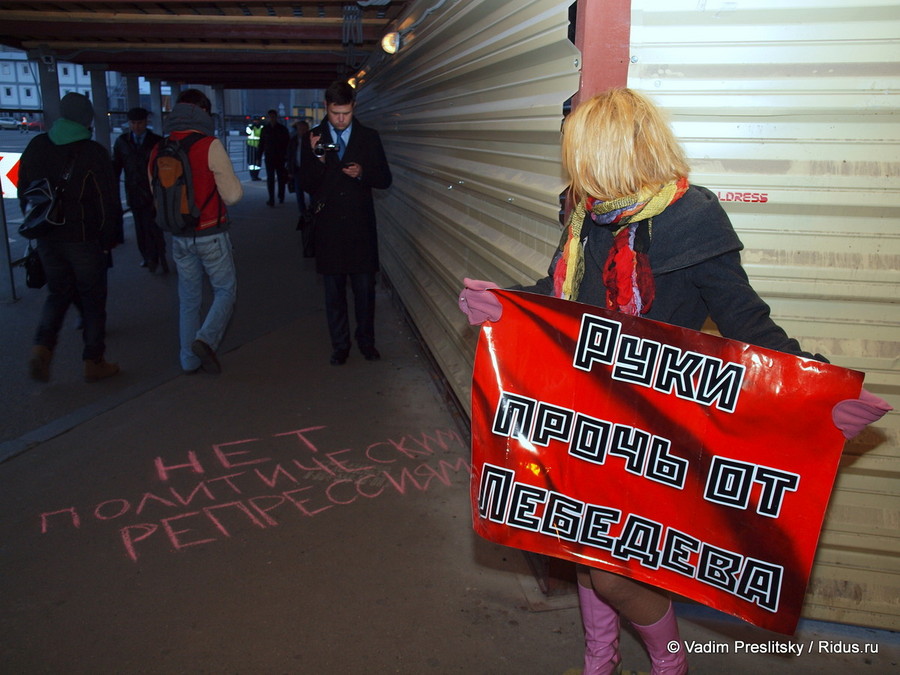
(286, 516)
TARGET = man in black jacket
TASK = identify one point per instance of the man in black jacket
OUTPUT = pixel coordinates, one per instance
(273, 146)
(293, 168)
(131, 153)
(75, 254)
(342, 162)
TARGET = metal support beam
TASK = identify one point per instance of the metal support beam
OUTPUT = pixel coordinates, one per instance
(219, 108)
(45, 65)
(156, 104)
(100, 97)
(605, 53)
(132, 91)
(175, 88)
(7, 282)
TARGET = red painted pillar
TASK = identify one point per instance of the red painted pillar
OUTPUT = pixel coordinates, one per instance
(603, 35)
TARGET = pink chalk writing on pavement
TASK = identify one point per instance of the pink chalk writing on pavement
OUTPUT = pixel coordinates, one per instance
(195, 505)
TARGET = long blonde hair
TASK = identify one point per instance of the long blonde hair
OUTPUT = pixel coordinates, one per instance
(616, 144)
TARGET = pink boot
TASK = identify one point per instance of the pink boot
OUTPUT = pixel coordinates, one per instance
(601, 633)
(664, 645)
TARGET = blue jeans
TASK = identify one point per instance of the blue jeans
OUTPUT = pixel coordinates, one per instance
(76, 273)
(195, 256)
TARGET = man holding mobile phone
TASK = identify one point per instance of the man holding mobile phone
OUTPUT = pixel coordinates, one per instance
(342, 161)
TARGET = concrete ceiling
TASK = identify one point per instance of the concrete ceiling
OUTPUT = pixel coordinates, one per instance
(237, 45)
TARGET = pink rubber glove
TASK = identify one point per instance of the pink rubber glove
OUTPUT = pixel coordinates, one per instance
(853, 415)
(477, 303)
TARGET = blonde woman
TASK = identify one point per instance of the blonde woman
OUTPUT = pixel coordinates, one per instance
(641, 239)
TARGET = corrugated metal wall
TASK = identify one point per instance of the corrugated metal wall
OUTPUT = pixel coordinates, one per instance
(788, 108)
(469, 111)
(796, 102)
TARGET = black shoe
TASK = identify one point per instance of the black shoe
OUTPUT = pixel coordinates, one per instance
(151, 266)
(370, 353)
(270, 203)
(207, 356)
(163, 266)
(339, 357)
(144, 263)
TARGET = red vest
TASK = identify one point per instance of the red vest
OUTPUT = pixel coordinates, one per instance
(205, 192)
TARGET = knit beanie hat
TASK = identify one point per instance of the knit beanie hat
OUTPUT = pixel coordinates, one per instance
(77, 108)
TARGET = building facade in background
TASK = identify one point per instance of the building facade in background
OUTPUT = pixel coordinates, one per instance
(20, 93)
(20, 90)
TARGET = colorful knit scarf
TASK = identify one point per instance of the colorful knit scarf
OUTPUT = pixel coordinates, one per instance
(626, 273)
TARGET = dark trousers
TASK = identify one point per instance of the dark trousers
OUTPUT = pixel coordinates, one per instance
(150, 239)
(276, 170)
(302, 197)
(363, 286)
(304, 223)
(76, 272)
(253, 161)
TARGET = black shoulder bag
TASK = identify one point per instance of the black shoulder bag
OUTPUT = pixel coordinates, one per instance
(45, 205)
(35, 276)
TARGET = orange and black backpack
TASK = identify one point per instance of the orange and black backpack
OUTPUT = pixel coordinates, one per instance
(173, 186)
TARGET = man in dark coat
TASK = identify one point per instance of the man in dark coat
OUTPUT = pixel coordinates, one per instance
(342, 161)
(273, 146)
(76, 253)
(131, 153)
(293, 168)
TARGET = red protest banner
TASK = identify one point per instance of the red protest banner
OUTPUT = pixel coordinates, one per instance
(694, 463)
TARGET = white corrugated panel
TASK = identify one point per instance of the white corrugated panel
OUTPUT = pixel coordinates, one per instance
(789, 110)
(469, 111)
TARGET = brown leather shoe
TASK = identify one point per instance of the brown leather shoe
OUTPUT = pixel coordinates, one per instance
(39, 363)
(99, 370)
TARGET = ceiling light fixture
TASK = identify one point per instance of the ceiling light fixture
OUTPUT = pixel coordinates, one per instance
(391, 42)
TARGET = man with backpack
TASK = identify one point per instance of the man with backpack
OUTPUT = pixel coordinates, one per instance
(75, 253)
(193, 181)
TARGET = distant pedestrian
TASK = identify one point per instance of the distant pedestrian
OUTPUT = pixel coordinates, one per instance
(253, 160)
(294, 156)
(206, 251)
(76, 254)
(273, 144)
(131, 154)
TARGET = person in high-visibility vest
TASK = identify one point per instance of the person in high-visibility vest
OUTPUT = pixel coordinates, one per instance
(253, 131)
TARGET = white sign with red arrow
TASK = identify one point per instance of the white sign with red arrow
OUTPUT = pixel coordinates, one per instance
(9, 173)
